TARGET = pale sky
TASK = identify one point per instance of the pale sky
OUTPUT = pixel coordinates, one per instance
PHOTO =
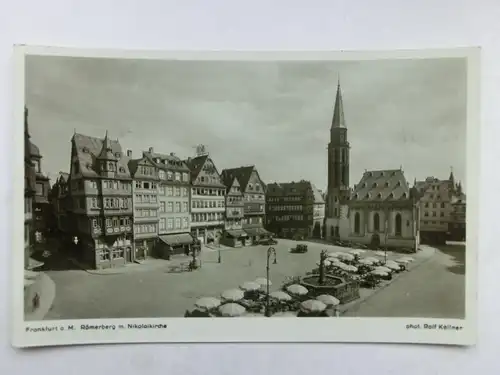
(275, 115)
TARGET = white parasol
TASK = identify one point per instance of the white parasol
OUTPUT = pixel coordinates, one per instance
(345, 256)
(351, 268)
(356, 251)
(366, 262)
(392, 265)
(231, 310)
(372, 259)
(328, 300)
(232, 295)
(402, 261)
(207, 303)
(409, 259)
(262, 281)
(297, 289)
(250, 286)
(280, 296)
(312, 305)
(379, 272)
(383, 269)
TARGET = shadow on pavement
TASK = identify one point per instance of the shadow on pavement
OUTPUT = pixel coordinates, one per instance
(54, 262)
(457, 252)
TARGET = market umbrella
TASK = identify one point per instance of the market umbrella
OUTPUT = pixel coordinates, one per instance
(383, 269)
(372, 259)
(231, 310)
(379, 253)
(280, 296)
(297, 289)
(366, 262)
(402, 261)
(344, 256)
(207, 303)
(356, 251)
(312, 305)
(328, 300)
(351, 268)
(262, 281)
(409, 259)
(233, 295)
(250, 286)
(285, 314)
(379, 272)
(392, 265)
(334, 255)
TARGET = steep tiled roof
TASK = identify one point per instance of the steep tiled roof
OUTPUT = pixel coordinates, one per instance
(167, 161)
(195, 165)
(243, 175)
(88, 148)
(385, 185)
(295, 188)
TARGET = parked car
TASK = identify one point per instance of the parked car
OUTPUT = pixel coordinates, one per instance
(268, 241)
(298, 237)
(300, 248)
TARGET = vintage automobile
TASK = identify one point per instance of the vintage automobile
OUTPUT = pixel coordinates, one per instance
(268, 241)
(300, 248)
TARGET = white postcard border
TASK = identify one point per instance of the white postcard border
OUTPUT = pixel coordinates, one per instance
(70, 332)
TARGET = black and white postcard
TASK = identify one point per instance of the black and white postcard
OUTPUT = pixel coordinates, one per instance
(221, 196)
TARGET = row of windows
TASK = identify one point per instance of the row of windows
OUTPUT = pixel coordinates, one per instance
(146, 213)
(289, 217)
(145, 228)
(210, 179)
(208, 216)
(173, 176)
(207, 204)
(111, 222)
(145, 185)
(174, 223)
(116, 203)
(171, 207)
(430, 222)
(232, 199)
(285, 208)
(434, 214)
(290, 199)
(112, 184)
(376, 223)
(170, 191)
(434, 205)
(235, 189)
(206, 191)
(146, 198)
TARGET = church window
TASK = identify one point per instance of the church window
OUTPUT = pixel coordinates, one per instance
(376, 222)
(357, 223)
(398, 224)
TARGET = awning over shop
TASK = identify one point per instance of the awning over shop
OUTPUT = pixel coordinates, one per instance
(252, 231)
(236, 233)
(177, 239)
(265, 232)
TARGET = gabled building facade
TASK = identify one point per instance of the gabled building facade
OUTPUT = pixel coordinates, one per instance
(254, 201)
(207, 199)
(436, 197)
(458, 225)
(29, 193)
(233, 234)
(295, 210)
(144, 204)
(101, 201)
(174, 222)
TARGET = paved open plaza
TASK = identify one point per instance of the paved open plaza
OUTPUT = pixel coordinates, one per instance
(150, 290)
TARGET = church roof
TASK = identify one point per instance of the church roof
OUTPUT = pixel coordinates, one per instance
(34, 150)
(167, 161)
(195, 165)
(383, 185)
(106, 150)
(338, 120)
(89, 148)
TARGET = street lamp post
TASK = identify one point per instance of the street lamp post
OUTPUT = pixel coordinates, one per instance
(270, 251)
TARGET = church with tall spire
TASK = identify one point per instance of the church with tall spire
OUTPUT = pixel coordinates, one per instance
(381, 210)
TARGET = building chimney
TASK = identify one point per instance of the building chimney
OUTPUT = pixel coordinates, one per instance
(151, 150)
(129, 153)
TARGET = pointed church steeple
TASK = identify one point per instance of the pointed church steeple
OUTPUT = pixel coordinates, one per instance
(338, 120)
(459, 188)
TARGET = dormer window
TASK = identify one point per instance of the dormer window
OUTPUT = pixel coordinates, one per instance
(404, 195)
(387, 184)
(118, 155)
(374, 185)
(122, 170)
(368, 196)
(369, 174)
(391, 195)
(356, 195)
(382, 174)
(364, 184)
(85, 150)
(379, 196)
(393, 173)
(399, 183)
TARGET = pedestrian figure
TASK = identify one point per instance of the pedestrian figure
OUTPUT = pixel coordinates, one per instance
(36, 301)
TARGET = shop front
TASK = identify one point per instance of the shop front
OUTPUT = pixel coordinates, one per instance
(170, 244)
(113, 251)
(144, 248)
(255, 235)
(234, 238)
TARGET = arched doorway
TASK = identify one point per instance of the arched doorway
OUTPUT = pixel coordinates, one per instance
(398, 225)
(317, 230)
(376, 222)
(357, 223)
